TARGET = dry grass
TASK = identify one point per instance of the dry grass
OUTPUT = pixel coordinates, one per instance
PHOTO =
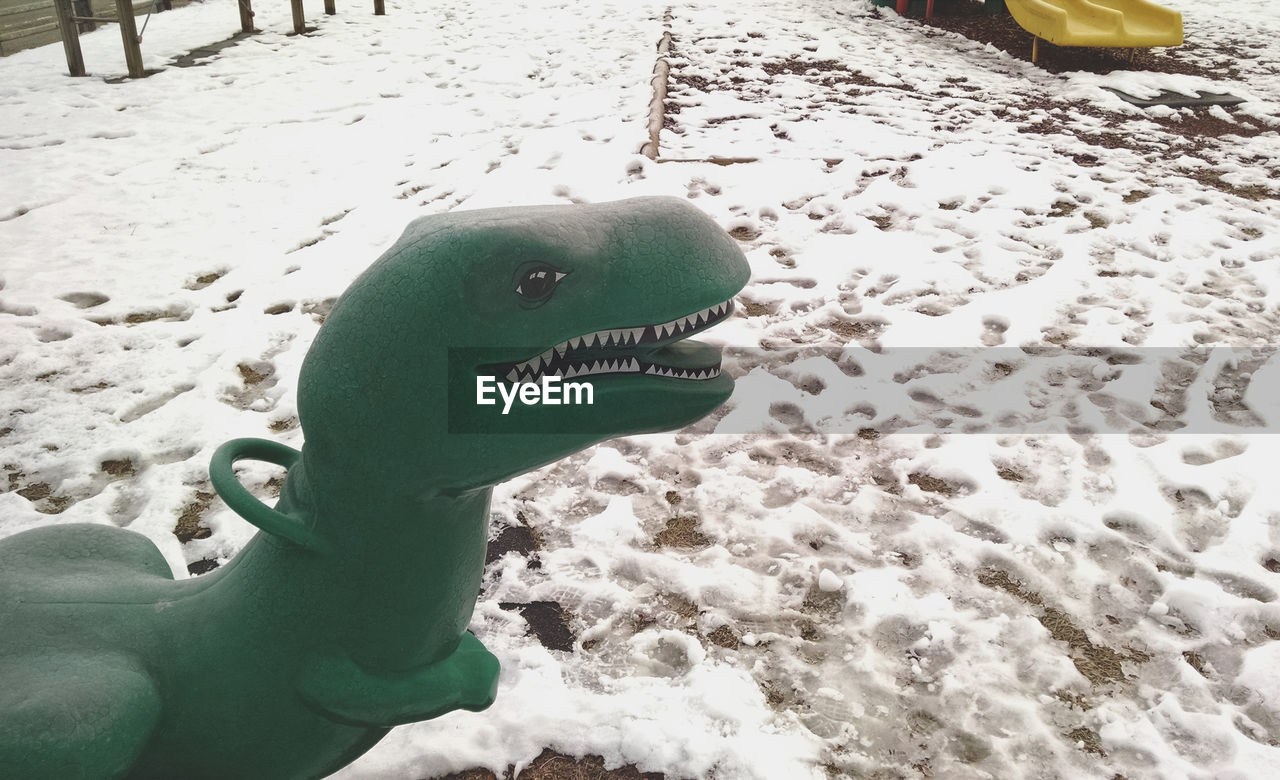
(682, 531)
(189, 526)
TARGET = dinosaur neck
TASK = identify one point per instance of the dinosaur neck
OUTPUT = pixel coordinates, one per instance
(399, 583)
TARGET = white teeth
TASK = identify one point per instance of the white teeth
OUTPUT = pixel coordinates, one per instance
(620, 337)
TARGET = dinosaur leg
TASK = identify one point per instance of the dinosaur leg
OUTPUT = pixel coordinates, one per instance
(338, 688)
(70, 715)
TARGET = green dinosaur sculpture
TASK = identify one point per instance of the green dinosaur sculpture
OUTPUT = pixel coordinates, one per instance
(347, 614)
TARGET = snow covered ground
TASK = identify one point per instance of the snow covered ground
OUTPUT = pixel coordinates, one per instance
(1052, 551)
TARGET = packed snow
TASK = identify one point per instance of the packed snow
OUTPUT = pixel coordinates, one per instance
(993, 497)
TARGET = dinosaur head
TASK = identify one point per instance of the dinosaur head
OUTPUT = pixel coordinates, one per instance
(439, 366)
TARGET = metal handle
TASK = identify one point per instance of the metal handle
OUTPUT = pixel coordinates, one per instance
(242, 502)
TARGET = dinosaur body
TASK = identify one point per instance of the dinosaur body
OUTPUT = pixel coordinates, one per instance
(347, 614)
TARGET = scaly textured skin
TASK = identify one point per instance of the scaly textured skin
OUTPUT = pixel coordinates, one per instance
(347, 614)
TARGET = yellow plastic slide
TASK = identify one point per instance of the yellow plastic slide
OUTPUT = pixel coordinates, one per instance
(1098, 22)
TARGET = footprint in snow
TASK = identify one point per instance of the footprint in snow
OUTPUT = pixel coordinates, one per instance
(84, 300)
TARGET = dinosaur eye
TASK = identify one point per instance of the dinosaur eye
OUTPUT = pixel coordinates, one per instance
(537, 283)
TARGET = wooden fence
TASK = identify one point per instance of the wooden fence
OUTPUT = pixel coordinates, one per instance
(28, 23)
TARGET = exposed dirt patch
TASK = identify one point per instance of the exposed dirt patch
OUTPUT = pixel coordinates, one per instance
(284, 424)
(932, 484)
(172, 314)
(795, 453)
(679, 605)
(1009, 474)
(1087, 740)
(1196, 661)
(828, 73)
(203, 566)
(36, 492)
(681, 531)
(1098, 664)
(118, 469)
(204, 280)
(519, 539)
(41, 495)
(823, 603)
(254, 375)
(850, 330)
(725, 637)
(548, 621)
(189, 526)
(550, 765)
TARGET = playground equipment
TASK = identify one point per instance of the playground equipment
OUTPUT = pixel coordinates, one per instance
(1103, 23)
(1108, 23)
(347, 613)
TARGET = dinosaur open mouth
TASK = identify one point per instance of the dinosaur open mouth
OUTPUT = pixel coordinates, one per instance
(645, 349)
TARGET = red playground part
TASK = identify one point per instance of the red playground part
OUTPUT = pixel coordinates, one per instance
(901, 8)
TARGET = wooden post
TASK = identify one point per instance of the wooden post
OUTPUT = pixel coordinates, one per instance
(329, 7)
(246, 16)
(299, 21)
(1035, 47)
(378, 8)
(70, 37)
(129, 34)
